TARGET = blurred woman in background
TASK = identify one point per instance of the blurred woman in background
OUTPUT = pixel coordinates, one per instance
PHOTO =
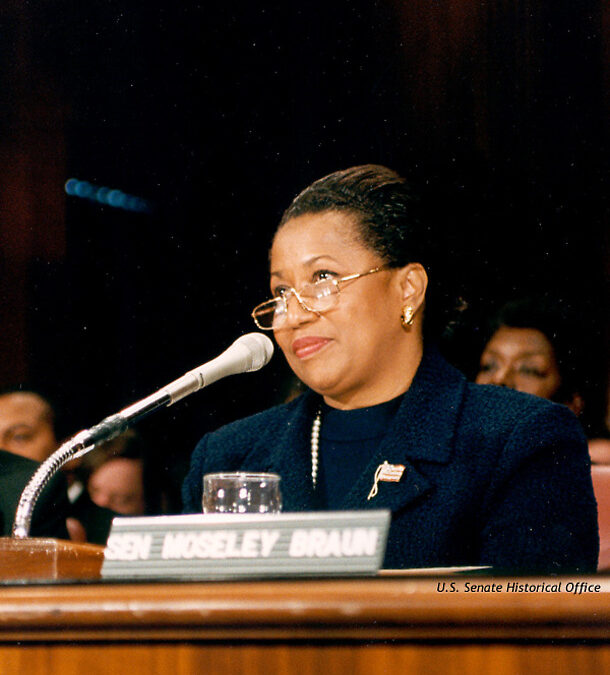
(541, 347)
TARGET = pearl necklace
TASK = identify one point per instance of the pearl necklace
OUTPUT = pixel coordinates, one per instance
(315, 444)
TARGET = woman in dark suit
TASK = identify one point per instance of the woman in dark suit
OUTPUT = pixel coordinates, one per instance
(473, 475)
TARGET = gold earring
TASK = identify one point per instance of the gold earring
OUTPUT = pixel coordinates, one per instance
(406, 318)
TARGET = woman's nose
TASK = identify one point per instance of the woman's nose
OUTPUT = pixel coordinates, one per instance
(504, 376)
(296, 312)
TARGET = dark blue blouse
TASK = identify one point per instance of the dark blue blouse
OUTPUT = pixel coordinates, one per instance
(348, 441)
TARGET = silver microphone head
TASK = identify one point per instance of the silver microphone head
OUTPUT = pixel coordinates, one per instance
(260, 348)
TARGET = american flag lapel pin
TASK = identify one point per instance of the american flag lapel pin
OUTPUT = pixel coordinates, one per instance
(390, 473)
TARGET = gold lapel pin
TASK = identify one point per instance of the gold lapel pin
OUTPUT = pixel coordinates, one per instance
(390, 473)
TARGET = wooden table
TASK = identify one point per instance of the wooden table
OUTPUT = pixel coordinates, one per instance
(383, 625)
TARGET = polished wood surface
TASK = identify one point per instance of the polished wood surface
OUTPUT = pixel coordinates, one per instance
(380, 625)
(303, 659)
(381, 608)
(39, 559)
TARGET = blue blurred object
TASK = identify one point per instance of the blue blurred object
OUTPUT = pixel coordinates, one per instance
(107, 196)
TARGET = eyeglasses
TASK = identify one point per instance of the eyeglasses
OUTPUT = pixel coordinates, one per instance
(318, 297)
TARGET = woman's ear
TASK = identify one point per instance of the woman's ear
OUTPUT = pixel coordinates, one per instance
(413, 282)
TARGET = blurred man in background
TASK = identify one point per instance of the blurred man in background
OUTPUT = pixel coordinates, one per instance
(27, 425)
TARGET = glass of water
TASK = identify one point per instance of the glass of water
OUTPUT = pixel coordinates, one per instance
(241, 493)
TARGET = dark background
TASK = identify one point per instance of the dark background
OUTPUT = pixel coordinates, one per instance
(218, 114)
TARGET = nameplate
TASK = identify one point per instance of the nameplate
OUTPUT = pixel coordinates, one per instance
(218, 546)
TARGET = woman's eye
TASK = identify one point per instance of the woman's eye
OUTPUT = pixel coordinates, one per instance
(278, 291)
(23, 436)
(487, 367)
(322, 275)
(531, 371)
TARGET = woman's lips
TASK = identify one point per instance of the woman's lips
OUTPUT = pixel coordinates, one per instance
(306, 346)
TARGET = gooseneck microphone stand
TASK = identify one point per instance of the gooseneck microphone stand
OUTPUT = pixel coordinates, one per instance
(79, 445)
(248, 353)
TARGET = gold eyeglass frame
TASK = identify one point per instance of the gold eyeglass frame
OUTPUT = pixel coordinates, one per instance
(292, 291)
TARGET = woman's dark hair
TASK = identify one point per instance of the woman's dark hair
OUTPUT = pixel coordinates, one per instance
(382, 203)
(389, 218)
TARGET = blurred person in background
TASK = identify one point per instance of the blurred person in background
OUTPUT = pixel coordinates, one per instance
(116, 475)
(110, 481)
(541, 347)
(27, 424)
(28, 437)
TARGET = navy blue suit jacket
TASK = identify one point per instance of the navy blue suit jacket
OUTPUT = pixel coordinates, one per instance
(493, 476)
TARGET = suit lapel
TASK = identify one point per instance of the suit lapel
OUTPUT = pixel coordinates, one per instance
(422, 431)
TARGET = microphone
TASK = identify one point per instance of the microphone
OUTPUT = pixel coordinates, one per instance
(248, 353)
